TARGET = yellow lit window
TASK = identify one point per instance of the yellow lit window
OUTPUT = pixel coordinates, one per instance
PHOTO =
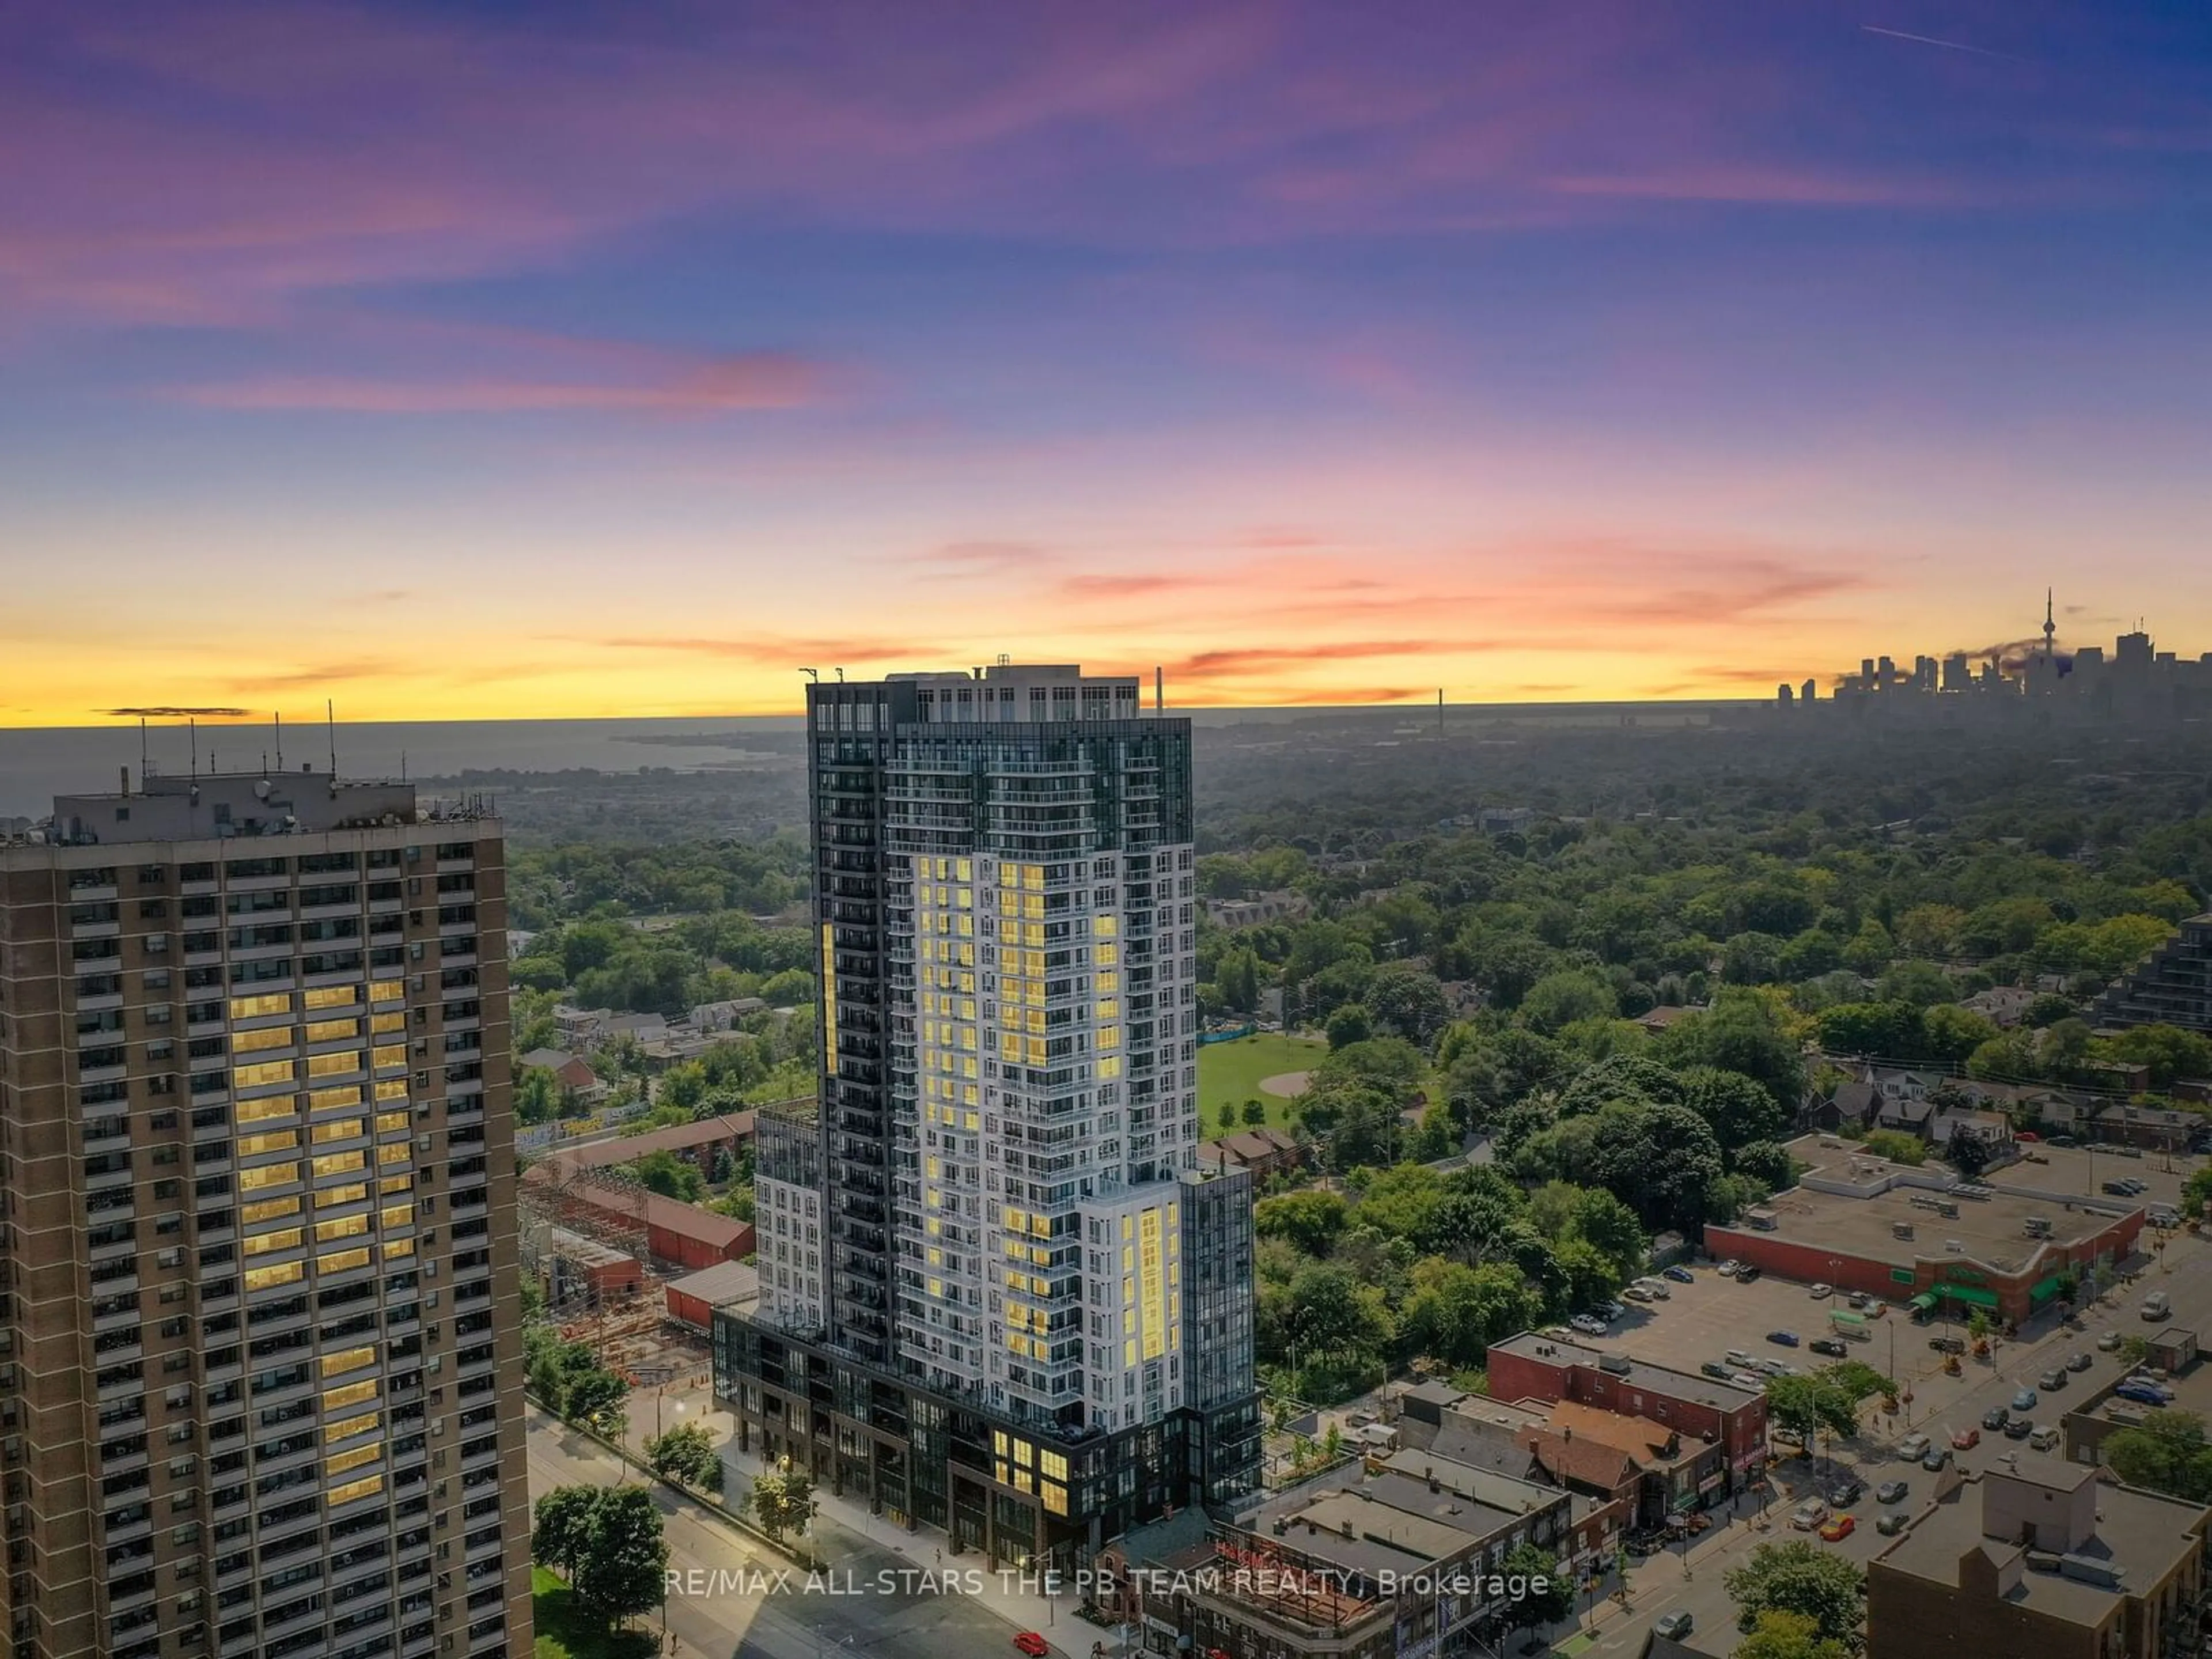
(1110, 1066)
(395, 1152)
(1129, 1353)
(337, 996)
(284, 1272)
(333, 1030)
(386, 990)
(269, 1175)
(259, 1007)
(1025, 1455)
(385, 1025)
(331, 1065)
(339, 1462)
(399, 1184)
(1110, 1007)
(276, 1140)
(1110, 982)
(937, 1287)
(999, 1442)
(260, 1111)
(392, 1054)
(338, 1261)
(329, 1100)
(397, 1215)
(968, 1039)
(353, 1192)
(1107, 956)
(395, 1248)
(346, 1394)
(346, 1427)
(963, 870)
(332, 1163)
(1033, 876)
(968, 1097)
(1033, 906)
(1036, 1054)
(340, 1129)
(252, 1042)
(1105, 927)
(367, 1485)
(344, 1226)
(268, 1071)
(388, 1121)
(1009, 1046)
(284, 1239)
(1056, 1498)
(1052, 1465)
(967, 1007)
(392, 1088)
(1109, 1036)
(268, 1209)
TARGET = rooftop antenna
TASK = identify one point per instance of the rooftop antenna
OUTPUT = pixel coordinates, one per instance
(813, 674)
(142, 749)
(331, 715)
(192, 724)
(1159, 690)
(841, 676)
(280, 740)
(2050, 626)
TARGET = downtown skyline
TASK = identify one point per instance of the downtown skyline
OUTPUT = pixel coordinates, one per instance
(554, 362)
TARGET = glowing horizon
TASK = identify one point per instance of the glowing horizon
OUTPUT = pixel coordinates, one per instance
(552, 363)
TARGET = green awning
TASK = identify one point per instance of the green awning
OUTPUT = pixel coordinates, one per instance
(1970, 1293)
(1924, 1303)
(2043, 1289)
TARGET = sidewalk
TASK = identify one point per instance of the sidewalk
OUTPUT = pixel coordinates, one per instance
(848, 1540)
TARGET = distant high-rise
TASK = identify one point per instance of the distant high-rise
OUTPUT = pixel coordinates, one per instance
(1021, 1257)
(260, 1369)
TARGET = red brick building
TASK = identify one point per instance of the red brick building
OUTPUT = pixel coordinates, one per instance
(1534, 1367)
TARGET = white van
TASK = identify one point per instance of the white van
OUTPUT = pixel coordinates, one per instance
(2044, 1439)
(2157, 1305)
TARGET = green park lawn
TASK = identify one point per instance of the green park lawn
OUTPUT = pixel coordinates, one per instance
(1232, 1071)
(565, 1631)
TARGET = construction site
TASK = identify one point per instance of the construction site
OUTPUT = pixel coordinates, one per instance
(604, 1249)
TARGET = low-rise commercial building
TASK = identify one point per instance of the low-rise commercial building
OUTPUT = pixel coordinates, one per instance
(2041, 1560)
(1533, 1367)
(1404, 1555)
(1920, 1236)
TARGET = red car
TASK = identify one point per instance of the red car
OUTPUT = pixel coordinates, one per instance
(2027, 1135)
(1966, 1439)
(1033, 1644)
(1839, 1528)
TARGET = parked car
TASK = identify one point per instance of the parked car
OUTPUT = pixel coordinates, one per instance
(1680, 1276)
(1782, 1338)
(1786, 1436)
(1839, 1528)
(1808, 1515)
(1636, 1293)
(1737, 1358)
(1713, 1369)
(1828, 1346)
(1937, 1459)
(1947, 1344)
(2079, 1361)
(1822, 1292)
(2053, 1378)
(2117, 1189)
(1675, 1625)
(1892, 1524)
(1612, 1310)
(2027, 1135)
(2062, 1141)
(1890, 1491)
(1996, 1418)
(1750, 1379)
(2108, 1342)
(1746, 1273)
(1914, 1447)
(2024, 1401)
(2018, 1429)
(1858, 1299)
(1966, 1439)
(1730, 1268)
(1844, 1494)
(2144, 1393)
(1589, 1325)
(1034, 1645)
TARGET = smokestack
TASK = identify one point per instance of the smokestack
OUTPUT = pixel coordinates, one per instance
(1159, 690)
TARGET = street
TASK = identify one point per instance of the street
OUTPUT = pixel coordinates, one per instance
(731, 1618)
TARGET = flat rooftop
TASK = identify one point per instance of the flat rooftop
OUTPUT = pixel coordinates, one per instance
(1397, 1523)
(2145, 1535)
(1991, 1231)
(1636, 1373)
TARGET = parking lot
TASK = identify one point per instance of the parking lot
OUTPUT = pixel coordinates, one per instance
(1702, 1321)
(2082, 1172)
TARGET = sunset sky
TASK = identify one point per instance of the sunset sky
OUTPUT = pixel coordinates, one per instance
(517, 360)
